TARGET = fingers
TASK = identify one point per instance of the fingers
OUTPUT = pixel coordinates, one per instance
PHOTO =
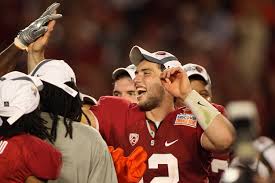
(51, 25)
(40, 31)
(137, 157)
(51, 9)
(117, 153)
(136, 152)
(55, 16)
(167, 73)
(46, 19)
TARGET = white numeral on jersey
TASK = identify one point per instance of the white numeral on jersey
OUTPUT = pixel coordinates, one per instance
(3, 145)
(173, 169)
(218, 164)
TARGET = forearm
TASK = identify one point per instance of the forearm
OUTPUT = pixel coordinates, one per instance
(7, 59)
(34, 58)
(219, 133)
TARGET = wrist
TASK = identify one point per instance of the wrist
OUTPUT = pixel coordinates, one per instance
(184, 96)
(201, 108)
(36, 56)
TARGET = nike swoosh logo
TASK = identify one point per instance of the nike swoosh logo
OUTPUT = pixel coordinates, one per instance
(200, 103)
(167, 144)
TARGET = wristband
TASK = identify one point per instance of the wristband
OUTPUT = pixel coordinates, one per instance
(201, 108)
(20, 45)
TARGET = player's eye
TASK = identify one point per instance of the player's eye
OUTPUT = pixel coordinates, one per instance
(204, 95)
(116, 93)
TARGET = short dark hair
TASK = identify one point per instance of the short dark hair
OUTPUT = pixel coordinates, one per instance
(122, 75)
(56, 102)
(30, 123)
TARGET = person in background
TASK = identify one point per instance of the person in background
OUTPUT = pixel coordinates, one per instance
(123, 83)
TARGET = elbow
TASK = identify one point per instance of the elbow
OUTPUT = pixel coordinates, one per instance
(226, 142)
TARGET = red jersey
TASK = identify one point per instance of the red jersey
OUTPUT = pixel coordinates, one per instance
(174, 152)
(24, 155)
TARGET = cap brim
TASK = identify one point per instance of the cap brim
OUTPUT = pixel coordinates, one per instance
(15, 117)
(198, 74)
(64, 87)
(86, 99)
(137, 54)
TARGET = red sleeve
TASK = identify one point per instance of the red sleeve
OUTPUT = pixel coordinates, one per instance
(220, 108)
(42, 159)
(110, 111)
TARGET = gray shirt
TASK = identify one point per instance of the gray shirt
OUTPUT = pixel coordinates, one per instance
(86, 158)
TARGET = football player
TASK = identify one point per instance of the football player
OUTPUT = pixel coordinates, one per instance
(178, 141)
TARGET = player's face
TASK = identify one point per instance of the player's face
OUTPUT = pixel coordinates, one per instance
(150, 91)
(125, 88)
(201, 88)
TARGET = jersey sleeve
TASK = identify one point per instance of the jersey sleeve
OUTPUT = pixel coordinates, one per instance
(110, 111)
(42, 159)
(220, 108)
(102, 167)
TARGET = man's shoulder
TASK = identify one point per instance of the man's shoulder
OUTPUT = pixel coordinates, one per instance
(84, 129)
(116, 102)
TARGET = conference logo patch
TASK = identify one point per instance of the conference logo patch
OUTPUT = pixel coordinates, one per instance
(133, 138)
(186, 120)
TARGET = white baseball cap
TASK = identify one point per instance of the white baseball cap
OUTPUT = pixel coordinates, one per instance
(57, 73)
(195, 69)
(130, 70)
(137, 54)
(17, 97)
(87, 99)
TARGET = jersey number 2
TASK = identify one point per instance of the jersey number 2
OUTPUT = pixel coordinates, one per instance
(166, 159)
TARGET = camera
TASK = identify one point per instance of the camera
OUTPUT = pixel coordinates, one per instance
(244, 117)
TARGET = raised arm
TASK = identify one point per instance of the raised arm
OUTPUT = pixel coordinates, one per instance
(36, 50)
(27, 36)
(219, 134)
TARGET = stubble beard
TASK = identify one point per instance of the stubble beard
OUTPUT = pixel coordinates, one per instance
(153, 100)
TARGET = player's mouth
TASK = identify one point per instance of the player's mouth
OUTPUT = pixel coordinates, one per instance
(140, 92)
